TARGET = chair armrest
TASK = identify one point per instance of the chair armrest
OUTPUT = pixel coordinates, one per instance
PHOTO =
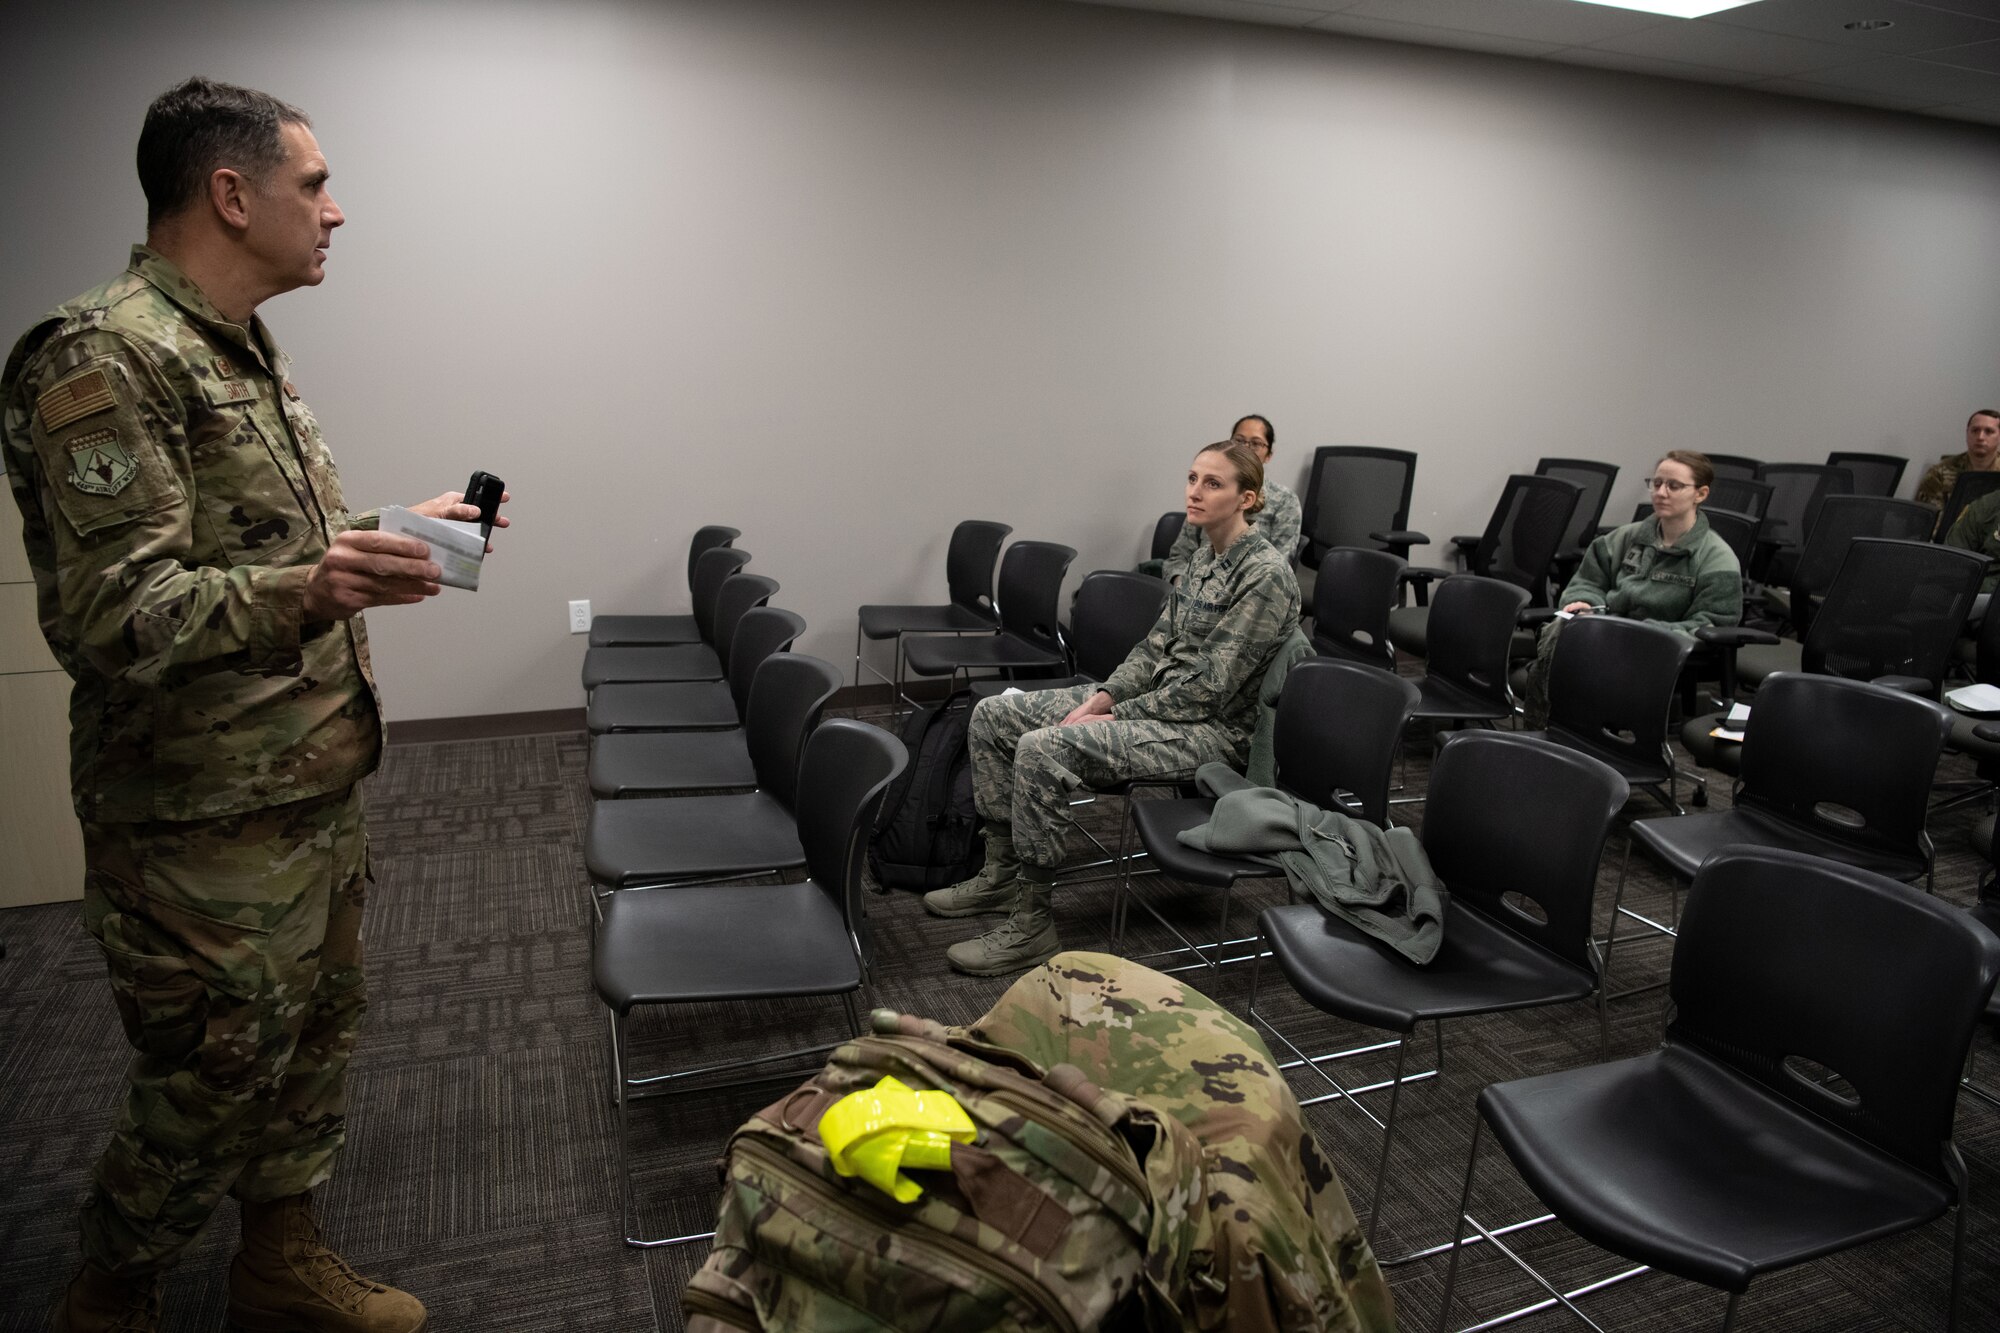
(1987, 731)
(1534, 617)
(1920, 685)
(1400, 537)
(1423, 574)
(1464, 543)
(1734, 636)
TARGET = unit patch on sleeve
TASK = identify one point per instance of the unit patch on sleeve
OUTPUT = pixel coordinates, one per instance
(75, 398)
(99, 464)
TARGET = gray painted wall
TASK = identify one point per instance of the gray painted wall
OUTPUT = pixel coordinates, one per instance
(845, 273)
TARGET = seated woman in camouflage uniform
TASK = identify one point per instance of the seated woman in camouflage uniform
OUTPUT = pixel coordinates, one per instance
(1187, 695)
(1672, 569)
(1279, 520)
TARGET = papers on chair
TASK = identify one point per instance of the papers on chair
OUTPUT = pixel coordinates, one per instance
(1979, 699)
(457, 548)
(1732, 725)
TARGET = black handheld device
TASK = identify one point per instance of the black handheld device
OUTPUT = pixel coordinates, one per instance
(484, 490)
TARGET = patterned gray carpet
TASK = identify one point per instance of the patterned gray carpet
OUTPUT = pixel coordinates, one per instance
(479, 1167)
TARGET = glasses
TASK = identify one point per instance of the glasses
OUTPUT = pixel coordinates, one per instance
(1245, 439)
(1668, 484)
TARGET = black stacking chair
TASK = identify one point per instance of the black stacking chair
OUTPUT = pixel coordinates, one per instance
(1873, 474)
(1358, 497)
(1796, 492)
(1735, 465)
(1521, 539)
(709, 661)
(1970, 486)
(787, 696)
(1111, 614)
(1352, 598)
(708, 943)
(664, 629)
(1168, 531)
(1611, 688)
(968, 574)
(1465, 677)
(1335, 740)
(1801, 1103)
(712, 568)
(1741, 495)
(697, 705)
(1842, 518)
(1515, 830)
(1031, 578)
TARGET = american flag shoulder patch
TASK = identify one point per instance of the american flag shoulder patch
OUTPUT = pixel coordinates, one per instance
(75, 398)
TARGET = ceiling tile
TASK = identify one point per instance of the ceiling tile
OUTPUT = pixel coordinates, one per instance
(1598, 58)
(1281, 15)
(1980, 55)
(1985, 9)
(1917, 27)
(1742, 49)
(1828, 93)
(1553, 22)
(1382, 30)
(1928, 83)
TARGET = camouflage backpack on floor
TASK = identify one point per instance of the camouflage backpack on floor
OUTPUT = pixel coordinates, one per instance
(1166, 1200)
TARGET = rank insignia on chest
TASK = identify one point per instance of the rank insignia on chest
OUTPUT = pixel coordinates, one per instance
(99, 464)
(224, 369)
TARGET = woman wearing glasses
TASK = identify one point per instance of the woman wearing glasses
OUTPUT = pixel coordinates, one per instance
(1671, 569)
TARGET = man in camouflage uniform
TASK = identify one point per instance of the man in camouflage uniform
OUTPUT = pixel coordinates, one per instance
(1982, 454)
(1279, 520)
(1184, 697)
(200, 578)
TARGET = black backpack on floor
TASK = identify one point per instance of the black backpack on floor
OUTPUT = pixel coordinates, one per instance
(928, 833)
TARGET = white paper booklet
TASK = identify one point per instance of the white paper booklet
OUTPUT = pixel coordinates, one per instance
(1975, 699)
(457, 547)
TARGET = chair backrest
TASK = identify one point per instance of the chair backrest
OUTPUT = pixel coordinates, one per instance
(787, 697)
(1353, 491)
(711, 568)
(1470, 632)
(1352, 598)
(1515, 815)
(1112, 613)
(1738, 529)
(739, 593)
(1874, 474)
(706, 539)
(1593, 482)
(763, 631)
(846, 769)
(1743, 495)
(1796, 492)
(1525, 532)
(1969, 487)
(1895, 608)
(1611, 686)
(1735, 465)
(1850, 761)
(1791, 968)
(1031, 577)
(1337, 733)
(968, 564)
(1843, 518)
(1167, 531)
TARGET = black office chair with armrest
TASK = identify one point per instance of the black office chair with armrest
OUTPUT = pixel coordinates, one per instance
(1522, 537)
(1593, 482)
(1358, 496)
(1335, 740)
(682, 661)
(1796, 492)
(1741, 495)
(697, 705)
(1031, 578)
(620, 629)
(1874, 474)
(1842, 518)
(968, 574)
(787, 697)
(1801, 1103)
(1352, 599)
(1611, 687)
(1515, 830)
(708, 943)
(1167, 531)
(1735, 465)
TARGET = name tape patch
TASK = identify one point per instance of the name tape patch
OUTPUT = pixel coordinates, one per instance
(219, 392)
(75, 398)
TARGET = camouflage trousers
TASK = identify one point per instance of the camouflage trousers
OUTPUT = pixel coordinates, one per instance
(234, 948)
(1024, 766)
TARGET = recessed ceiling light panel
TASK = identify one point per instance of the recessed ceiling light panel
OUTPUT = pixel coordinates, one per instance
(1679, 9)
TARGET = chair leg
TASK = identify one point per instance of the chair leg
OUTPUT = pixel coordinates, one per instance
(1380, 1192)
(625, 1217)
(1955, 1167)
(1729, 1311)
(1611, 934)
(1458, 1228)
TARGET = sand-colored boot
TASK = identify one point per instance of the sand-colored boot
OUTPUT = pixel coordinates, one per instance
(101, 1302)
(991, 891)
(1027, 937)
(286, 1280)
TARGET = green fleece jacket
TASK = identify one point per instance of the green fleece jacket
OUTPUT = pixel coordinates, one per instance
(1631, 573)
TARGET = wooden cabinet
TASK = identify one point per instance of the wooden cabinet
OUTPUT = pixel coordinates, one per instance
(41, 847)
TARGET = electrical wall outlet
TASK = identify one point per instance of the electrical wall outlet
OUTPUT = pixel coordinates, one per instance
(579, 617)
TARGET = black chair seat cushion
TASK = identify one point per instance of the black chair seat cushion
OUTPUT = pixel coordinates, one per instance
(1755, 661)
(942, 655)
(886, 622)
(662, 705)
(1442, 699)
(652, 763)
(1481, 968)
(1605, 1146)
(652, 841)
(674, 661)
(666, 946)
(1709, 751)
(1158, 823)
(1410, 629)
(1683, 842)
(606, 631)
(1634, 772)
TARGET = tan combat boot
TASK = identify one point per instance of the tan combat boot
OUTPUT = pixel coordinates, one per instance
(101, 1302)
(991, 891)
(285, 1280)
(1025, 938)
